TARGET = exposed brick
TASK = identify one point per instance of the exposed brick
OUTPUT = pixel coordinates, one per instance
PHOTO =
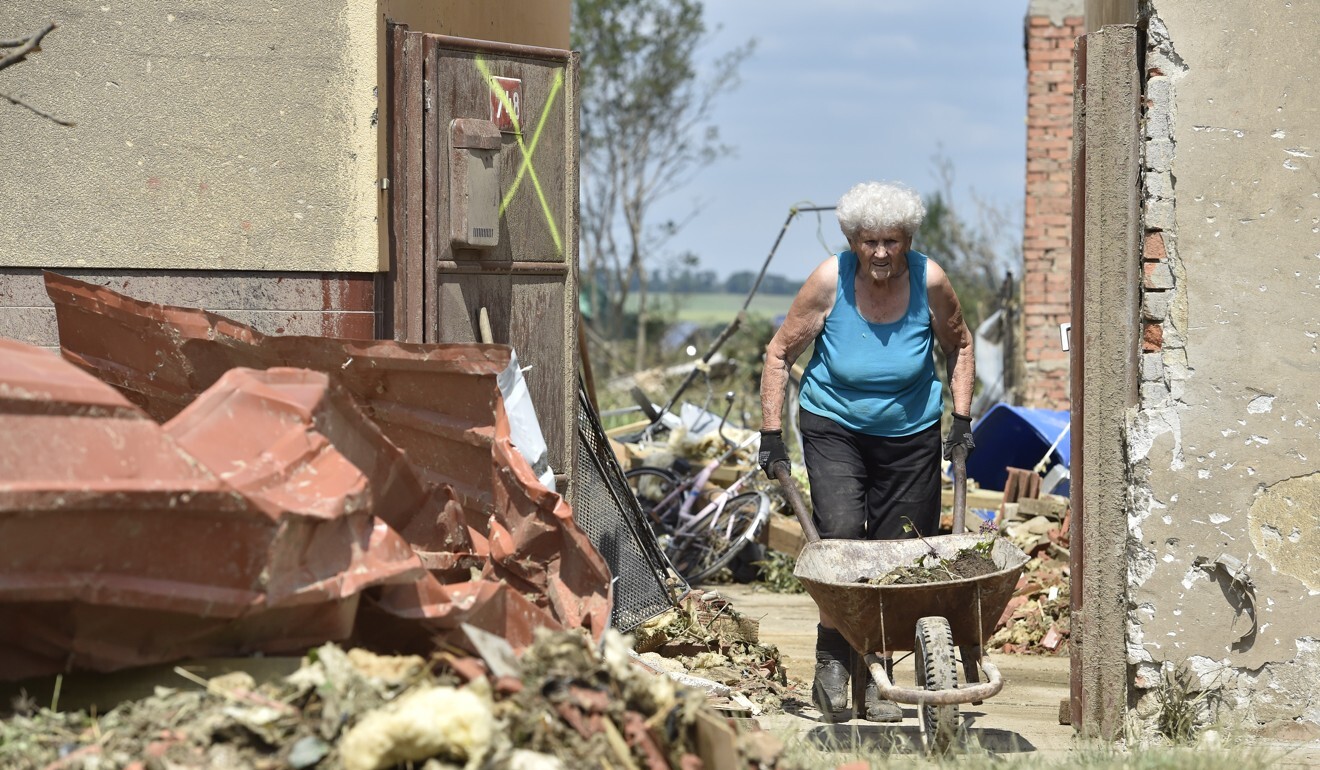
(1159, 214)
(1047, 210)
(1158, 184)
(1152, 367)
(1152, 337)
(1158, 275)
(1159, 154)
(1155, 305)
(1050, 54)
(1154, 250)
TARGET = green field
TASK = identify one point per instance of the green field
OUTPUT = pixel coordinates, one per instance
(714, 308)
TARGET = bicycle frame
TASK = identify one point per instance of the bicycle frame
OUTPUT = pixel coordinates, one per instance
(690, 523)
(692, 487)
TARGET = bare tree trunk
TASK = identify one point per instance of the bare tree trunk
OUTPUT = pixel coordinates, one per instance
(641, 320)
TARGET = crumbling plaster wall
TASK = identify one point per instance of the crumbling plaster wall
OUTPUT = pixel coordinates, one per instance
(1225, 443)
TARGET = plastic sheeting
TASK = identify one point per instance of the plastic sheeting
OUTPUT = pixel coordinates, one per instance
(1010, 436)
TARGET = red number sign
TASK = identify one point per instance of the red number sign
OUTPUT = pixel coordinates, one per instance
(506, 103)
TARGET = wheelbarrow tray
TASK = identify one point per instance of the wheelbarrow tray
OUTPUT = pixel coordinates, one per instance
(883, 618)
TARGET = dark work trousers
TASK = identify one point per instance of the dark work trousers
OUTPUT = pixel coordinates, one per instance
(869, 487)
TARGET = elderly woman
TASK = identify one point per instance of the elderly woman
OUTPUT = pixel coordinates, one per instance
(870, 397)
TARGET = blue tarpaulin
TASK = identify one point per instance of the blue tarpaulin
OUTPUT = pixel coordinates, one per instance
(1017, 437)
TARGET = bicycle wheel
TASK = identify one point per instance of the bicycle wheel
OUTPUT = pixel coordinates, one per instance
(653, 488)
(704, 547)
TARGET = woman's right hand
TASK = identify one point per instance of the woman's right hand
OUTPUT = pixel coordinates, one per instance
(773, 451)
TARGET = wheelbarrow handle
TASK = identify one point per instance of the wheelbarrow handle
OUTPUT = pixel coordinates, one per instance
(794, 495)
(959, 489)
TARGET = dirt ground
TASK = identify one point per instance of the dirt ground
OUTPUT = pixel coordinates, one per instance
(1023, 719)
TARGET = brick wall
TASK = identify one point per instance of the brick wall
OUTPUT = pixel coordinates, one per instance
(1047, 224)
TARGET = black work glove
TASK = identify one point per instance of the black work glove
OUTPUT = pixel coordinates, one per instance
(772, 452)
(959, 433)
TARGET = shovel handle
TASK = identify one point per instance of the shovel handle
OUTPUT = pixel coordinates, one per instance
(959, 489)
(794, 495)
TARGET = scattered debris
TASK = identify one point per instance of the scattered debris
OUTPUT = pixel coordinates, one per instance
(706, 637)
(341, 500)
(1037, 619)
(777, 572)
(570, 706)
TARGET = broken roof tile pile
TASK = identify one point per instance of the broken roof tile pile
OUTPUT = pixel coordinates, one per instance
(289, 491)
(1037, 620)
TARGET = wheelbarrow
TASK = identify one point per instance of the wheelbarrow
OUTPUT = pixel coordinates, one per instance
(933, 620)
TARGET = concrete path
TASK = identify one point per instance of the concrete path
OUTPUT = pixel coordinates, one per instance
(1023, 719)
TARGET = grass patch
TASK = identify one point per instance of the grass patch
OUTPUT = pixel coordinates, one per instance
(713, 308)
(821, 749)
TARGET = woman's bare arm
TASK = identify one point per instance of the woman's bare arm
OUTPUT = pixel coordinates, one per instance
(953, 335)
(805, 319)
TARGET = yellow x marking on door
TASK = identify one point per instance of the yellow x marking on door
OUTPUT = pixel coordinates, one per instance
(526, 169)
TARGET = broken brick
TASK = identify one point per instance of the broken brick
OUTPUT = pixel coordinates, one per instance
(1152, 337)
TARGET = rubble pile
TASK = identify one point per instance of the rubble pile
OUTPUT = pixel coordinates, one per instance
(1037, 618)
(707, 639)
(564, 706)
(689, 441)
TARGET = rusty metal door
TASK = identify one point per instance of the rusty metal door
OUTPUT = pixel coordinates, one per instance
(518, 104)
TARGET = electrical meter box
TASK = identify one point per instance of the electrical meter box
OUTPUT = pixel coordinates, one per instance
(474, 183)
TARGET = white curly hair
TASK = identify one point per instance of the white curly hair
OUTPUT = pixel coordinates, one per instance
(878, 206)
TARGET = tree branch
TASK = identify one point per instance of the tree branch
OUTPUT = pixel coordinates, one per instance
(46, 115)
(25, 46)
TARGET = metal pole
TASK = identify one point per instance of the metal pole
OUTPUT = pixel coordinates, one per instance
(737, 320)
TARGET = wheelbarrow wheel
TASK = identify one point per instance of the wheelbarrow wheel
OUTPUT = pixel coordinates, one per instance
(937, 669)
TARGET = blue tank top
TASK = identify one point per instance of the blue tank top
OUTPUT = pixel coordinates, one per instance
(877, 379)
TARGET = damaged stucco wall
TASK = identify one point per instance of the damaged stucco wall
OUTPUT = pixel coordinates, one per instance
(206, 137)
(227, 158)
(214, 137)
(1224, 446)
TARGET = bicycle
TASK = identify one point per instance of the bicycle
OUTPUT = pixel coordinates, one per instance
(700, 544)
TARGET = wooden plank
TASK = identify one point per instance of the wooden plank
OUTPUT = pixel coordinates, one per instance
(784, 534)
(405, 175)
(716, 741)
(976, 498)
(436, 209)
(1052, 506)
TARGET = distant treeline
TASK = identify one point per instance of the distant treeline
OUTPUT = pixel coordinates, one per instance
(689, 281)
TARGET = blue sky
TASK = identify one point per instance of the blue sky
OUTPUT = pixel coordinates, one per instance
(841, 91)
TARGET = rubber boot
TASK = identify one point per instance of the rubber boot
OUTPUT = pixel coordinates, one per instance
(829, 690)
(880, 709)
